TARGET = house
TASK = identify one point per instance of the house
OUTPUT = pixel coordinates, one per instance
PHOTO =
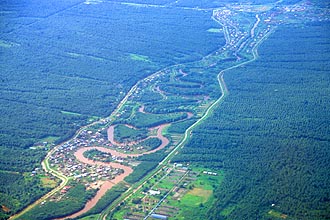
(158, 216)
(154, 192)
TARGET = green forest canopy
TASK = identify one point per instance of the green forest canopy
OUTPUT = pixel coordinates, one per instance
(271, 134)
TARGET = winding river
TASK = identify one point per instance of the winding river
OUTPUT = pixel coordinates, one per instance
(106, 185)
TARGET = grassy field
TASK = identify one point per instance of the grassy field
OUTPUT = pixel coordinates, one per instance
(47, 182)
(189, 191)
(70, 113)
(91, 217)
(139, 57)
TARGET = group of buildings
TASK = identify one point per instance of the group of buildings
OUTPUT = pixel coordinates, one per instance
(64, 160)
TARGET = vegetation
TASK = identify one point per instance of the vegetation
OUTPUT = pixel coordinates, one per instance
(170, 105)
(97, 155)
(180, 127)
(107, 199)
(124, 133)
(139, 57)
(188, 193)
(56, 74)
(73, 200)
(142, 120)
(78, 77)
(18, 190)
(151, 143)
(270, 134)
(17, 160)
(140, 171)
(155, 157)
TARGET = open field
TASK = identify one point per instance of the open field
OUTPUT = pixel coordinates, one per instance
(47, 182)
(179, 190)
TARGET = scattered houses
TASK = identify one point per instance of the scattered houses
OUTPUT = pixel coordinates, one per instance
(64, 160)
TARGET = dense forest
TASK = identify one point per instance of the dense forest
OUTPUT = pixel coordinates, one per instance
(47, 79)
(76, 198)
(56, 74)
(271, 134)
(18, 190)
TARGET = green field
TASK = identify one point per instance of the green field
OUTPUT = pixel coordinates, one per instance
(139, 57)
(191, 194)
(123, 133)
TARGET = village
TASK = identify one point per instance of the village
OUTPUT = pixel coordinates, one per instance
(64, 160)
(244, 36)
